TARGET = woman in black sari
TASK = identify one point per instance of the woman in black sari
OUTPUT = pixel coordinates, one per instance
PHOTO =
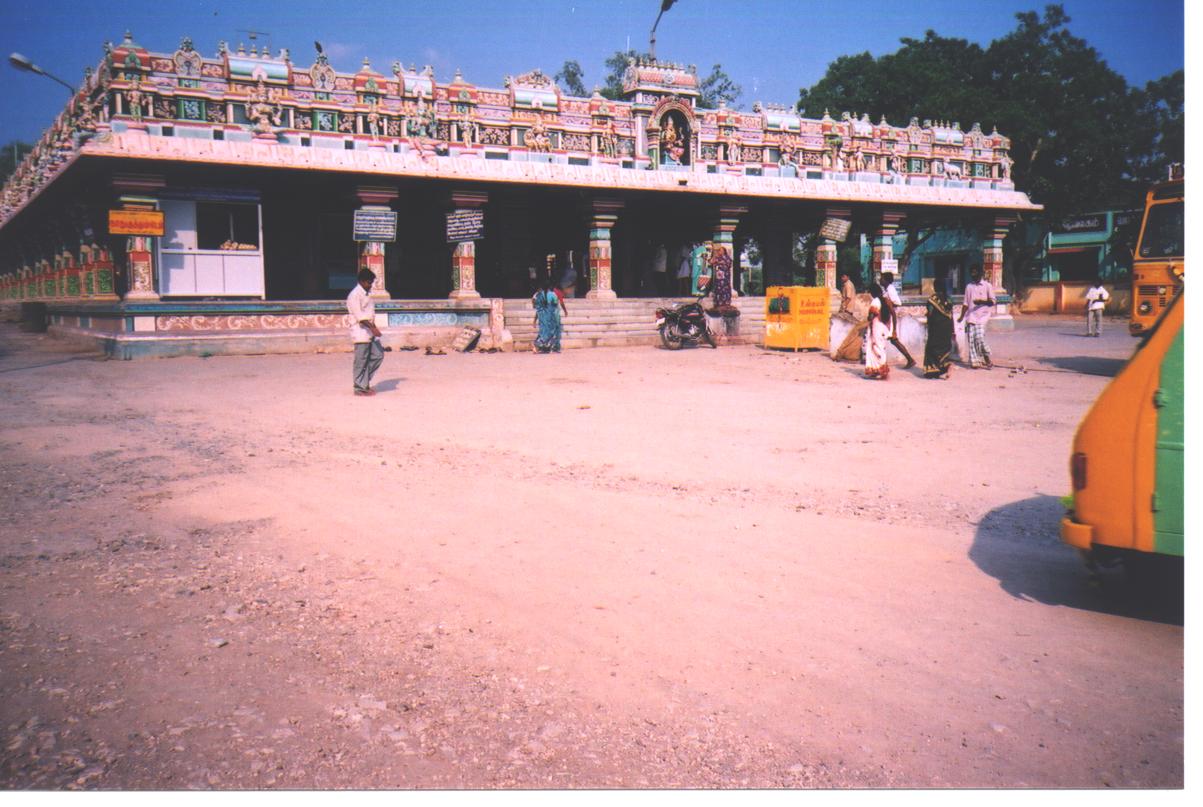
(937, 360)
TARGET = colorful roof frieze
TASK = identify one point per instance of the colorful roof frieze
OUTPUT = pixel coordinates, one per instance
(252, 95)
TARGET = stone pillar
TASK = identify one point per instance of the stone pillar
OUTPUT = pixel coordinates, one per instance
(723, 235)
(56, 276)
(371, 256)
(602, 216)
(463, 259)
(134, 195)
(827, 253)
(46, 276)
(883, 245)
(102, 277)
(85, 270)
(71, 273)
(826, 264)
(993, 234)
(139, 253)
(371, 253)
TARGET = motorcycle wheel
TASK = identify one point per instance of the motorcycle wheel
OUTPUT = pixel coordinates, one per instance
(709, 337)
(670, 336)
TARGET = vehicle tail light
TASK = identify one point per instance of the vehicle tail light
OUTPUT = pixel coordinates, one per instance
(1077, 470)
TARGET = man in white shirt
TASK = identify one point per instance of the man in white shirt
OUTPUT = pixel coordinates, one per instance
(895, 300)
(979, 304)
(1096, 301)
(369, 353)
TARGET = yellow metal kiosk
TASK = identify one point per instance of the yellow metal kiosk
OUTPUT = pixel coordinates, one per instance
(797, 317)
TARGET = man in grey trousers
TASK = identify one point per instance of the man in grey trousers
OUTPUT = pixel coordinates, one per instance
(369, 353)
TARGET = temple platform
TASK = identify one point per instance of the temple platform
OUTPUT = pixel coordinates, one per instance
(130, 330)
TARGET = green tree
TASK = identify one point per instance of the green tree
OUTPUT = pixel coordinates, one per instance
(1163, 106)
(616, 67)
(10, 157)
(572, 78)
(1082, 139)
(716, 87)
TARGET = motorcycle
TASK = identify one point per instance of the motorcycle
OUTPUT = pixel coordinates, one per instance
(685, 323)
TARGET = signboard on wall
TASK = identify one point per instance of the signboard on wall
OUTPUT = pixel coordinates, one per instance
(835, 229)
(465, 225)
(375, 225)
(889, 265)
(136, 222)
(1081, 224)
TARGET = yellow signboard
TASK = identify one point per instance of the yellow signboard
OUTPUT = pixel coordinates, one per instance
(135, 222)
(797, 317)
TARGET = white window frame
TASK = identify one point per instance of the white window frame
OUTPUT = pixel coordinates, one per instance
(187, 271)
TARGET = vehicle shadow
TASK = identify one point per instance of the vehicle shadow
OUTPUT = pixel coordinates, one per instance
(1087, 365)
(1019, 545)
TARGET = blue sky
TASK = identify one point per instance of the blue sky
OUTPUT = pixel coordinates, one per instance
(770, 47)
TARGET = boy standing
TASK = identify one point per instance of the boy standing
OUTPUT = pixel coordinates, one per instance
(369, 353)
(1096, 301)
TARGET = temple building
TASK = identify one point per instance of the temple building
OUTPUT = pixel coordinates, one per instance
(184, 203)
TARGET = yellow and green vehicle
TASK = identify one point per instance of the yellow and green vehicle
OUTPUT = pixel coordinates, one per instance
(1127, 463)
(1159, 263)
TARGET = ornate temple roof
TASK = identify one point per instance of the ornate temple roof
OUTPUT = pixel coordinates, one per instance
(255, 108)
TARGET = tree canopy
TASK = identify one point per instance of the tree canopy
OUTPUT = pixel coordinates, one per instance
(1082, 138)
(11, 155)
(715, 87)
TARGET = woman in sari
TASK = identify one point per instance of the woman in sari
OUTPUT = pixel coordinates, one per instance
(547, 317)
(937, 354)
(877, 336)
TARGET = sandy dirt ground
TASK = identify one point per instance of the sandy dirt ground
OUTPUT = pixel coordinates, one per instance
(607, 568)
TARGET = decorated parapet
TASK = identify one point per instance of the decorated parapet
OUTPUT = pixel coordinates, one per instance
(254, 95)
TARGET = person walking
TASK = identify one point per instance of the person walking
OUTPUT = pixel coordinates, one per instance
(937, 353)
(369, 352)
(547, 316)
(979, 303)
(877, 335)
(660, 270)
(847, 294)
(684, 269)
(894, 300)
(1096, 300)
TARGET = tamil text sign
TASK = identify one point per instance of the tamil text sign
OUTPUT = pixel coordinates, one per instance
(375, 225)
(135, 222)
(835, 229)
(465, 225)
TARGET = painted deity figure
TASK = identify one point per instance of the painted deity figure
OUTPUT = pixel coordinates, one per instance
(134, 98)
(373, 119)
(1004, 166)
(423, 123)
(536, 137)
(262, 111)
(672, 143)
(607, 141)
(467, 130)
(789, 151)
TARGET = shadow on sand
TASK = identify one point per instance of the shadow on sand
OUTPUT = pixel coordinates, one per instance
(388, 385)
(1087, 365)
(1019, 545)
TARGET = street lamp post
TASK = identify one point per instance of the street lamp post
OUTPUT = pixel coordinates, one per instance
(21, 63)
